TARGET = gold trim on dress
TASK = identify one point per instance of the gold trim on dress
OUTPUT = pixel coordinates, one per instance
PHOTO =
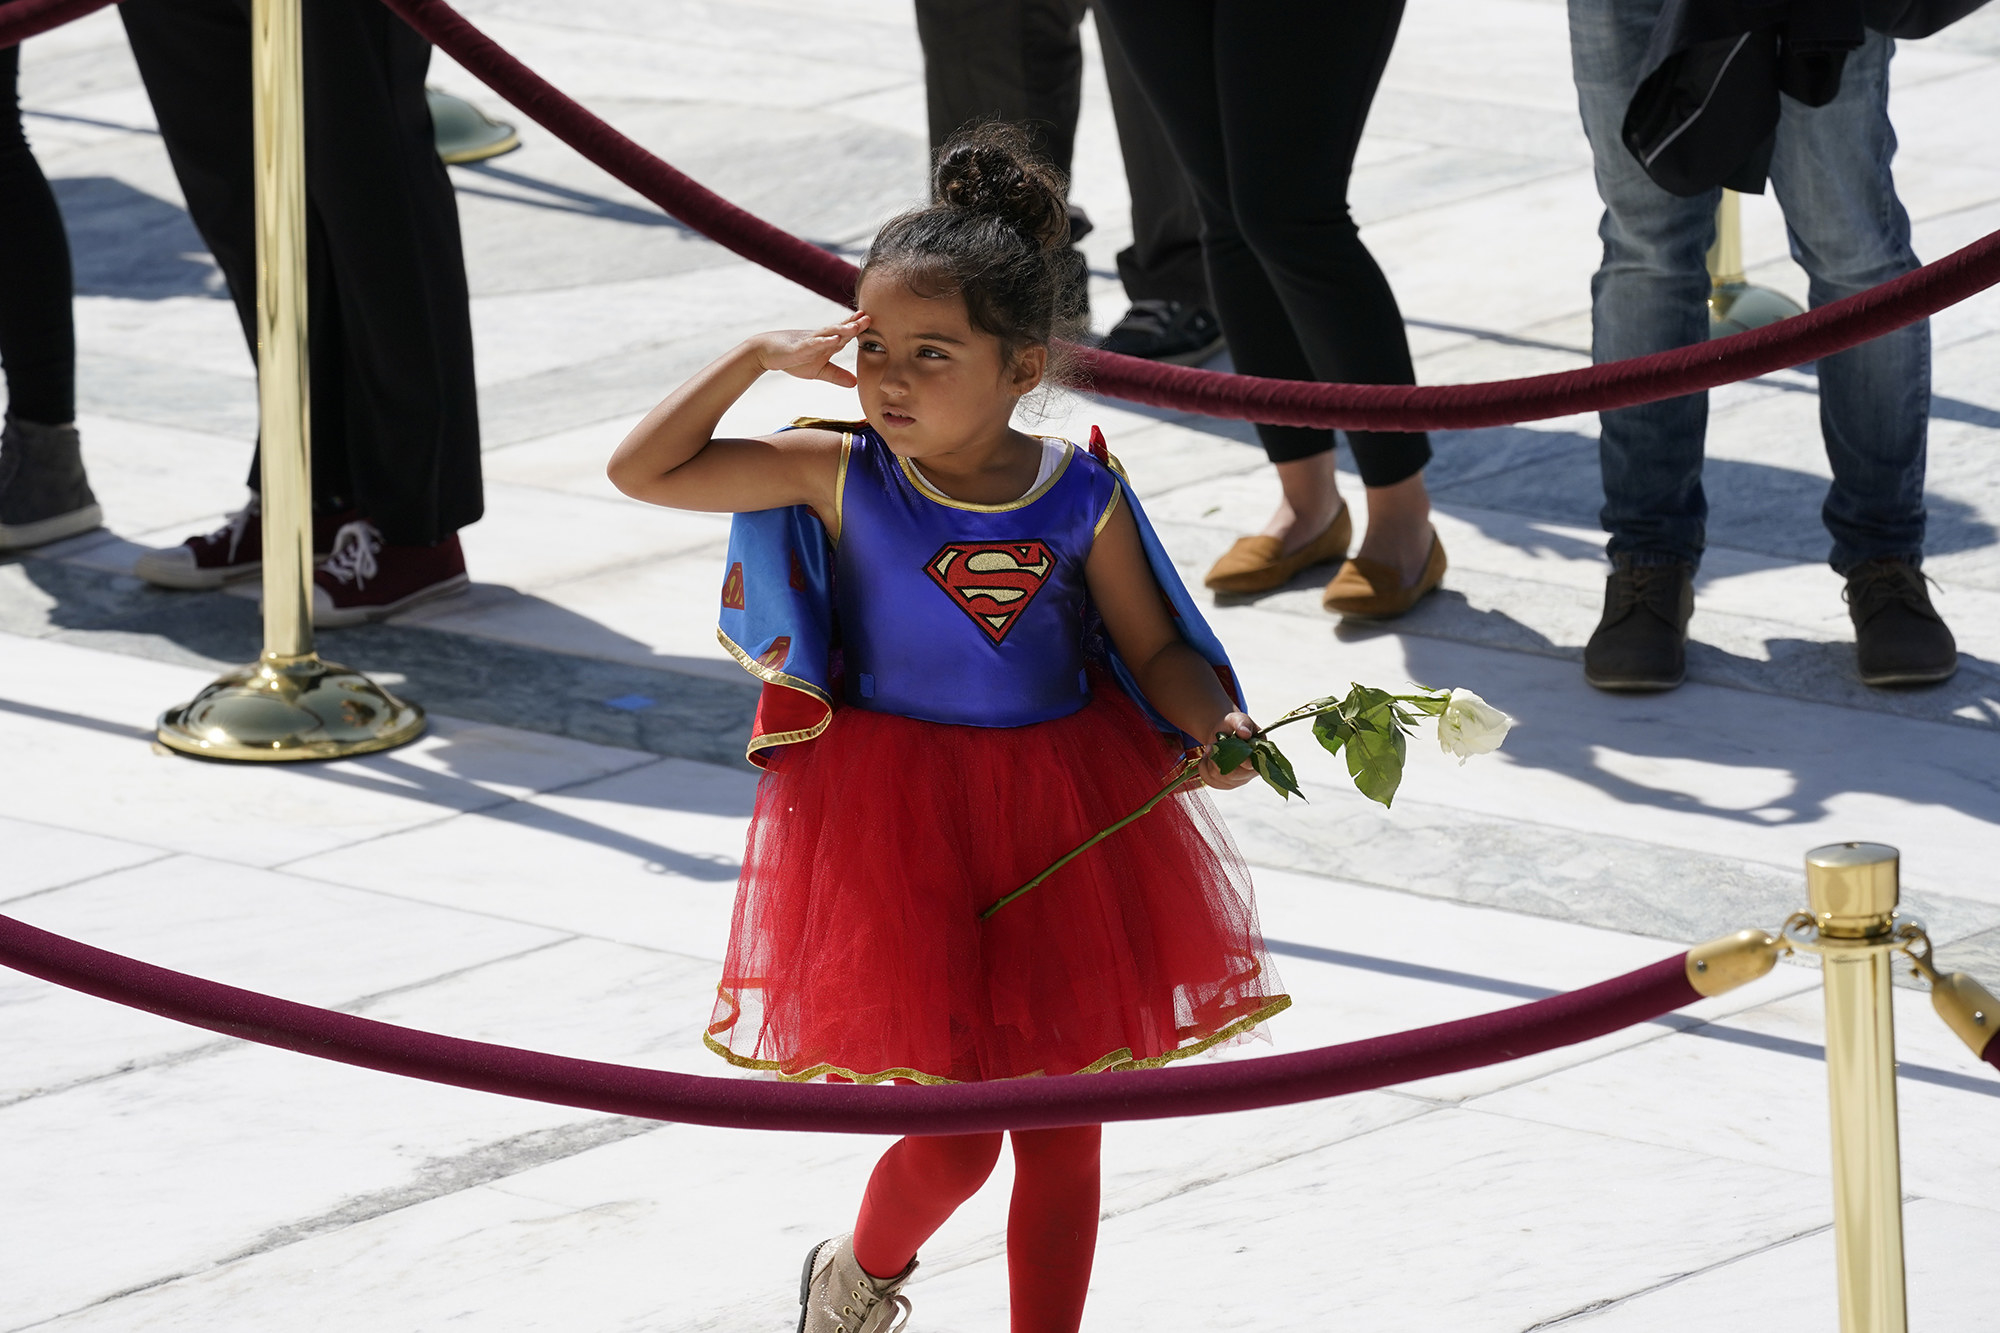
(1105, 517)
(846, 429)
(772, 676)
(931, 492)
(1116, 1062)
(840, 488)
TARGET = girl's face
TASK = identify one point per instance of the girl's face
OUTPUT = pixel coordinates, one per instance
(930, 383)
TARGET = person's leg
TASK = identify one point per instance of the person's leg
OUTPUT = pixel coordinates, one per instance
(44, 494)
(385, 207)
(1163, 263)
(193, 56)
(1649, 294)
(194, 59)
(37, 329)
(1304, 78)
(1018, 61)
(1052, 1227)
(1170, 45)
(1015, 61)
(917, 1185)
(1831, 173)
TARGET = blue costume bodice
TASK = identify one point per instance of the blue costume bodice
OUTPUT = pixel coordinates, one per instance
(965, 613)
(914, 610)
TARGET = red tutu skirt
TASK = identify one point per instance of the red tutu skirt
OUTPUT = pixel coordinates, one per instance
(857, 948)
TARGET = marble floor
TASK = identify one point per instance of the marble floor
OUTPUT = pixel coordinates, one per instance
(553, 865)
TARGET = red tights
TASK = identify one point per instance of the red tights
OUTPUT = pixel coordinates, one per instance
(1051, 1225)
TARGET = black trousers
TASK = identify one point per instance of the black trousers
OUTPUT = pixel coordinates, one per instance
(1264, 102)
(1021, 61)
(395, 417)
(37, 328)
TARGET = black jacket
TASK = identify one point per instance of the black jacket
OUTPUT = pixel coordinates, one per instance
(1707, 103)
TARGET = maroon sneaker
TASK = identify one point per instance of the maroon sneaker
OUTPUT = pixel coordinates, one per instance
(233, 552)
(367, 579)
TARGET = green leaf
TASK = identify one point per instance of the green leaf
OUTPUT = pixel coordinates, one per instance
(1364, 699)
(1274, 768)
(1375, 757)
(1230, 752)
(1331, 730)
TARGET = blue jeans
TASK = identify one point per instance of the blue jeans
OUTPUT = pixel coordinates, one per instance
(1848, 231)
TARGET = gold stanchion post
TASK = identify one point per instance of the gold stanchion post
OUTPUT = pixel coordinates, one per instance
(1734, 306)
(1853, 891)
(288, 704)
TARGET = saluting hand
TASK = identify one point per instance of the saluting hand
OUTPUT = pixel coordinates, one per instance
(809, 354)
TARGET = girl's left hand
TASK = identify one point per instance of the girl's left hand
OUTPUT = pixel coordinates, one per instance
(1241, 725)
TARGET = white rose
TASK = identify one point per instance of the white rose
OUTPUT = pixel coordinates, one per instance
(1469, 725)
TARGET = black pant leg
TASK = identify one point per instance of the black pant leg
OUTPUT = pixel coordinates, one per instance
(1019, 61)
(1296, 81)
(37, 325)
(1164, 262)
(194, 58)
(1170, 45)
(394, 411)
(389, 223)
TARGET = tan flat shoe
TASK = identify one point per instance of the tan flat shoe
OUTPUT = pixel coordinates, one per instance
(1254, 564)
(1372, 590)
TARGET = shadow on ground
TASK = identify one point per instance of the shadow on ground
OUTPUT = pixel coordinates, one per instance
(659, 710)
(125, 242)
(1569, 728)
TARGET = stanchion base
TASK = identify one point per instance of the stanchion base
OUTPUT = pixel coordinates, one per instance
(286, 708)
(1737, 307)
(464, 133)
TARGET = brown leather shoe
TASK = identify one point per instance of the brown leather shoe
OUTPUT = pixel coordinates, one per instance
(1371, 590)
(1254, 564)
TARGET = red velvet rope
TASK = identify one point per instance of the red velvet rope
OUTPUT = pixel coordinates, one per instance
(1808, 337)
(22, 19)
(962, 1108)
(1822, 332)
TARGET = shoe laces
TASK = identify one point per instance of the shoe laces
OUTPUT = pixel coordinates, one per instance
(1874, 584)
(235, 526)
(869, 1300)
(353, 557)
(1655, 587)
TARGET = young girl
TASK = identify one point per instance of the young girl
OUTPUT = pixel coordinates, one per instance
(928, 596)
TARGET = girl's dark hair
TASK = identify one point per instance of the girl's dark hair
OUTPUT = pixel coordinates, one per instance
(997, 235)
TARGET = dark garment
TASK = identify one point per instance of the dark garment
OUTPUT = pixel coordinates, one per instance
(1264, 105)
(1707, 101)
(395, 424)
(1021, 61)
(1164, 262)
(37, 333)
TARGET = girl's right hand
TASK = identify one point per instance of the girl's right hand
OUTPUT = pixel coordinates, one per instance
(809, 354)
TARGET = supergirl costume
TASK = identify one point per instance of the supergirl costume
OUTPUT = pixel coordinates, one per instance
(942, 717)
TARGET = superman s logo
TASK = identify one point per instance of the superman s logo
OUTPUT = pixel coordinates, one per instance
(992, 582)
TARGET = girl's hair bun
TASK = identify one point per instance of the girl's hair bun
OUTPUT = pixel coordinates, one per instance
(992, 170)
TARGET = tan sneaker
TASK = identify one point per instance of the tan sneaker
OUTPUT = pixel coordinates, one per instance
(836, 1295)
(1254, 564)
